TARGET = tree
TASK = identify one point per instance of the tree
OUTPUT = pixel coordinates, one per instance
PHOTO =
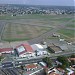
(64, 61)
(73, 56)
(1, 58)
(22, 70)
(48, 61)
(72, 61)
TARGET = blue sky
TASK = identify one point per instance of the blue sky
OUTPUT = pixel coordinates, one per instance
(40, 2)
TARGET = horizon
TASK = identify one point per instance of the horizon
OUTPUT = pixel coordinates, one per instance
(40, 2)
(38, 5)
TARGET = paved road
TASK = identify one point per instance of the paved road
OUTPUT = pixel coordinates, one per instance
(39, 58)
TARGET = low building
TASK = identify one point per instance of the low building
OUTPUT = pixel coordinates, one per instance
(55, 35)
(70, 72)
(31, 67)
(24, 50)
(39, 49)
(43, 64)
(54, 49)
(61, 39)
(54, 71)
(6, 50)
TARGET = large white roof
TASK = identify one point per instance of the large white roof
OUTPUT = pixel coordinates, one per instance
(37, 47)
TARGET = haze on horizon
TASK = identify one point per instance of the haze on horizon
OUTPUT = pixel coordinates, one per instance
(40, 2)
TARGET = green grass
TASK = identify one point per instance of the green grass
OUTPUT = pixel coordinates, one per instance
(28, 16)
(18, 32)
(71, 25)
(35, 16)
(73, 21)
(67, 32)
(62, 19)
(52, 37)
(16, 39)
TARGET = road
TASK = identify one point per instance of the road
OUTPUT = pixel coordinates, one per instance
(23, 61)
(39, 58)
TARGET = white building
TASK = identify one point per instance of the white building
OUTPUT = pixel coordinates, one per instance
(69, 71)
(39, 48)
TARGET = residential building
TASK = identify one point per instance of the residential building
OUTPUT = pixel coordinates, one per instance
(6, 50)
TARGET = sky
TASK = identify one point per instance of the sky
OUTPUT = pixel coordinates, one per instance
(40, 2)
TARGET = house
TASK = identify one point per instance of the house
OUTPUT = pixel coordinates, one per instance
(61, 39)
(55, 35)
(39, 49)
(53, 71)
(24, 50)
(72, 59)
(6, 50)
(70, 72)
(43, 64)
(31, 67)
(61, 70)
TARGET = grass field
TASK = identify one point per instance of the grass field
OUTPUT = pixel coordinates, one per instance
(67, 33)
(28, 26)
(38, 16)
(16, 32)
(71, 25)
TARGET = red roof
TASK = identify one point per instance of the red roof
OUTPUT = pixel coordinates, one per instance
(73, 74)
(31, 66)
(53, 73)
(60, 69)
(5, 49)
(72, 58)
(27, 47)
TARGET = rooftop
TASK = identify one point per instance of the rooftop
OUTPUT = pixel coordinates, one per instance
(52, 73)
(24, 48)
(55, 48)
(5, 49)
(31, 66)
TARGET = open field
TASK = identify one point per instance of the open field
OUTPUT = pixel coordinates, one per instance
(27, 27)
(16, 32)
(67, 34)
(37, 16)
(72, 25)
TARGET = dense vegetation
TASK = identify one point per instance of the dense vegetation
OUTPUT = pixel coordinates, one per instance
(64, 61)
(48, 61)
